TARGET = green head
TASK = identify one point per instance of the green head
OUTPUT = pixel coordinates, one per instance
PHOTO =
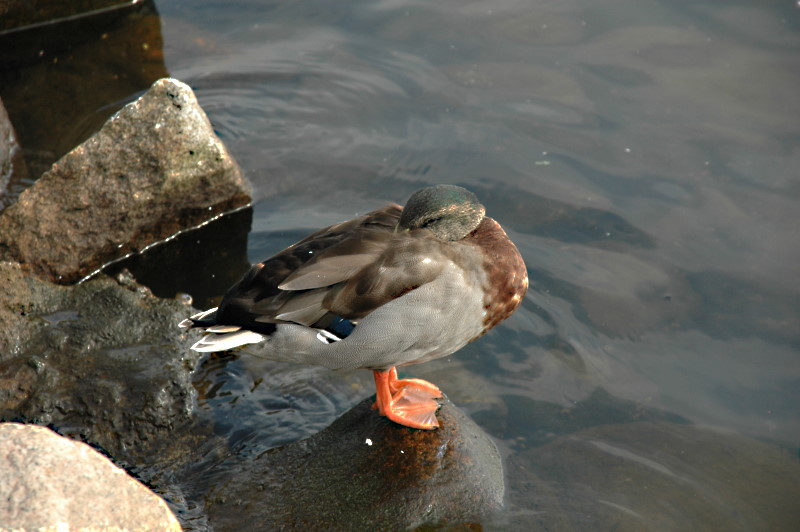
(449, 211)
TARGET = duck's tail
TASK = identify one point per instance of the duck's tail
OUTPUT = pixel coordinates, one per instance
(218, 337)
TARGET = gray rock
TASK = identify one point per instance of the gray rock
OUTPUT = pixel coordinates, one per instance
(8, 148)
(364, 473)
(101, 361)
(47, 481)
(156, 167)
(22, 298)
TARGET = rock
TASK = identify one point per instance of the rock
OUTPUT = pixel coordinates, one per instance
(48, 481)
(364, 473)
(8, 149)
(653, 476)
(155, 168)
(23, 296)
(101, 361)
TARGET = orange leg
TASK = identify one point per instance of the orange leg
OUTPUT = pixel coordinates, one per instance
(409, 402)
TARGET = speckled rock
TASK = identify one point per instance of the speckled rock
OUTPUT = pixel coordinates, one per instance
(23, 296)
(53, 483)
(365, 473)
(156, 167)
(8, 148)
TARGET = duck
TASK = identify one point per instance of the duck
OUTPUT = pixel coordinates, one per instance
(393, 287)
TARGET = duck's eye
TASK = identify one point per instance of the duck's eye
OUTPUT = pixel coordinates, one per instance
(431, 222)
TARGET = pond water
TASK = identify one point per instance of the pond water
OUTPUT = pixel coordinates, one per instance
(643, 155)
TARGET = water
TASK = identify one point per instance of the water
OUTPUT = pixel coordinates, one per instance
(642, 155)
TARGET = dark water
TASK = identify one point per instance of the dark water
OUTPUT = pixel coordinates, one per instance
(643, 155)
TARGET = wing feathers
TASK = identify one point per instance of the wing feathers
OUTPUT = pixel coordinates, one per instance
(305, 308)
(222, 342)
(327, 271)
(347, 270)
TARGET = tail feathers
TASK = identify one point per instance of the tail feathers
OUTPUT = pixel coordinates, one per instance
(206, 318)
(222, 342)
(220, 329)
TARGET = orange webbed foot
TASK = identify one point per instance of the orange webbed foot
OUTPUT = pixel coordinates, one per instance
(408, 402)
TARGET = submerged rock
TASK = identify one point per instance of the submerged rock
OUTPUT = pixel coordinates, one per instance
(51, 482)
(654, 476)
(155, 168)
(364, 473)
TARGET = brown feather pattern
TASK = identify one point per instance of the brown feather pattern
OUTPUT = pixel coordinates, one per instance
(507, 276)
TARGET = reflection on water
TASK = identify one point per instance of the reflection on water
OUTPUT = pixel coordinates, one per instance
(642, 156)
(59, 83)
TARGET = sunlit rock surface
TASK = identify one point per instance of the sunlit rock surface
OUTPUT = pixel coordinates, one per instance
(53, 483)
(364, 473)
(22, 298)
(156, 167)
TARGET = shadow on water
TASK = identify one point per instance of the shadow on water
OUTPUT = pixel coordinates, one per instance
(202, 262)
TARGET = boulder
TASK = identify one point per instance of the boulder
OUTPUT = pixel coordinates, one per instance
(101, 361)
(364, 472)
(51, 482)
(9, 149)
(22, 298)
(155, 168)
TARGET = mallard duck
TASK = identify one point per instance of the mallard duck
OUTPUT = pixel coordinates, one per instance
(394, 287)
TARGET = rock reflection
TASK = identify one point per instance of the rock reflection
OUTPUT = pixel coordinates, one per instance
(97, 62)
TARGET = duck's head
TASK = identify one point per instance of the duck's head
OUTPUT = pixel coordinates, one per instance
(450, 212)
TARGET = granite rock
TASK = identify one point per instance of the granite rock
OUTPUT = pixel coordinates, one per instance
(155, 168)
(53, 483)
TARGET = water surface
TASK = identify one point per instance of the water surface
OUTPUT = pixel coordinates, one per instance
(642, 155)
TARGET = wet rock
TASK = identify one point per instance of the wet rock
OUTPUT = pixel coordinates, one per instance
(23, 296)
(364, 473)
(48, 481)
(155, 168)
(100, 361)
(654, 476)
(8, 148)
